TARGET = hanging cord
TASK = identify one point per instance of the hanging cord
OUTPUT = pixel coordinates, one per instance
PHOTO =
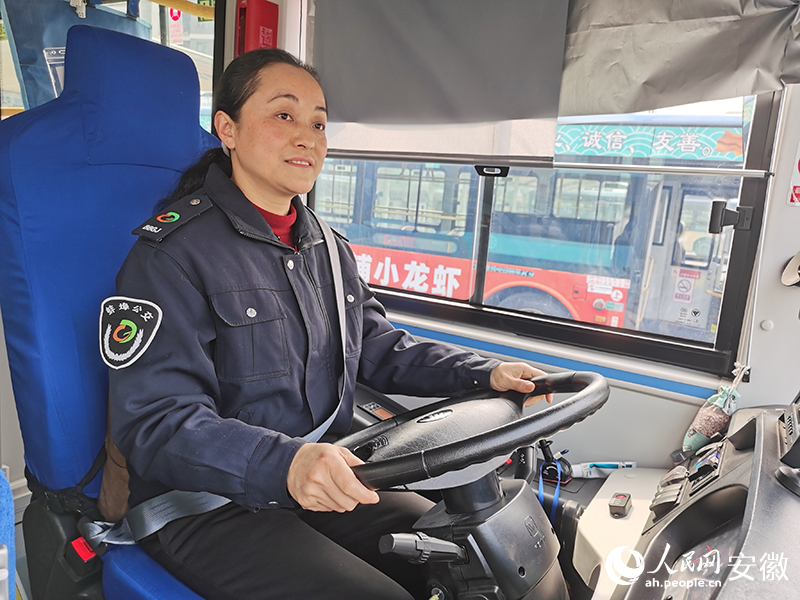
(554, 507)
(739, 371)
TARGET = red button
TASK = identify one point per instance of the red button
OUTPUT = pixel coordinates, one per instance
(83, 549)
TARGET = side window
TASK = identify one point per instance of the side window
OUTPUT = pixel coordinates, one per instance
(588, 198)
(565, 203)
(610, 253)
(615, 235)
(190, 30)
(410, 225)
(519, 194)
(690, 268)
(336, 193)
(611, 203)
(10, 93)
(663, 203)
(410, 199)
(563, 263)
(461, 201)
(430, 210)
(694, 242)
(393, 192)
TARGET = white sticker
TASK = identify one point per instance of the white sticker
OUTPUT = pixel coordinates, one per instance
(684, 290)
(794, 186)
(597, 288)
(690, 317)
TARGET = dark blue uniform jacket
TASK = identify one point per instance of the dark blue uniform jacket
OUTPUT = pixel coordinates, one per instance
(247, 356)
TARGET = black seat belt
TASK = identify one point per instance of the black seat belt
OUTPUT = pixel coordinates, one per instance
(151, 515)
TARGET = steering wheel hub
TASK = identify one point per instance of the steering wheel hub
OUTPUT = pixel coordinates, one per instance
(459, 440)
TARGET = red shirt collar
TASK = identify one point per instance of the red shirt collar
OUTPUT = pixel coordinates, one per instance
(281, 225)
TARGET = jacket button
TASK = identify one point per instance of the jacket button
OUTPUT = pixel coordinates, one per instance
(272, 504)
(251, 312)
(290, 264)
(350, 297)
(194, 201)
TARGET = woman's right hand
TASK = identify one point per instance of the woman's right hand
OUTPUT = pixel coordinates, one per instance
(320, 479)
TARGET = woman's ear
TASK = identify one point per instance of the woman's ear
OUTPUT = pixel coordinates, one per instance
(225, 128)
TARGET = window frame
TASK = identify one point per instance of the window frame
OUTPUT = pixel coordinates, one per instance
(717, 358)
(706, 265)
(660, 234)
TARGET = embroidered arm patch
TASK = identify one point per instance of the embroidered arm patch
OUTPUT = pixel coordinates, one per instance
(127, 327)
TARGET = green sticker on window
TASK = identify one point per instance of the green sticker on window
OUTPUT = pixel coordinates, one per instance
(205, 3)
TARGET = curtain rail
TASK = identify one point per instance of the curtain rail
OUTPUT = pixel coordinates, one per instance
(535, 162)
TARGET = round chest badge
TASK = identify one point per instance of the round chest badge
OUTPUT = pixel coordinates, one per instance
(127, 326)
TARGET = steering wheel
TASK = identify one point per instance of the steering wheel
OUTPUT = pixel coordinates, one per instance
(458, 440)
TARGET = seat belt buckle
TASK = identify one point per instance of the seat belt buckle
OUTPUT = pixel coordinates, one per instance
(83, 549)
(80, 557)
(92, 535)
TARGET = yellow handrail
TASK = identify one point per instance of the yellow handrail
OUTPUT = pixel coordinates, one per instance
(198, 10)
(645, 292)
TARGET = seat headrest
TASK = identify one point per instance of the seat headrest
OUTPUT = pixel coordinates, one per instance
(119, 89)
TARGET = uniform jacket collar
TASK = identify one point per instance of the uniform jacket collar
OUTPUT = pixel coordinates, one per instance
(246, 219)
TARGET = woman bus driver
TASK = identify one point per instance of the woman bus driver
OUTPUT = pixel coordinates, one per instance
(242, 359)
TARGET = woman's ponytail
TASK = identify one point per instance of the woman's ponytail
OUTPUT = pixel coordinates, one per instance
(194, 177)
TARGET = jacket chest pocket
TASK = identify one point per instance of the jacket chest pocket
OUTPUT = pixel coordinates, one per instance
(355, 295)
(251, 336)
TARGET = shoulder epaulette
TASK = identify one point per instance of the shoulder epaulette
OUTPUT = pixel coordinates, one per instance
(177, 214)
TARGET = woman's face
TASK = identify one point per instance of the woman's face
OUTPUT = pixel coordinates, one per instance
(278, 144)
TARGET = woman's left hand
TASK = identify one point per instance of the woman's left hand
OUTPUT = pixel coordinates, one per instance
(516, 376)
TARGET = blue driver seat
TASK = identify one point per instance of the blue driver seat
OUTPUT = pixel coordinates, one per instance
(76, 176)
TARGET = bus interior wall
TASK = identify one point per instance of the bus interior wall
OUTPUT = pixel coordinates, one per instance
(652, 403)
